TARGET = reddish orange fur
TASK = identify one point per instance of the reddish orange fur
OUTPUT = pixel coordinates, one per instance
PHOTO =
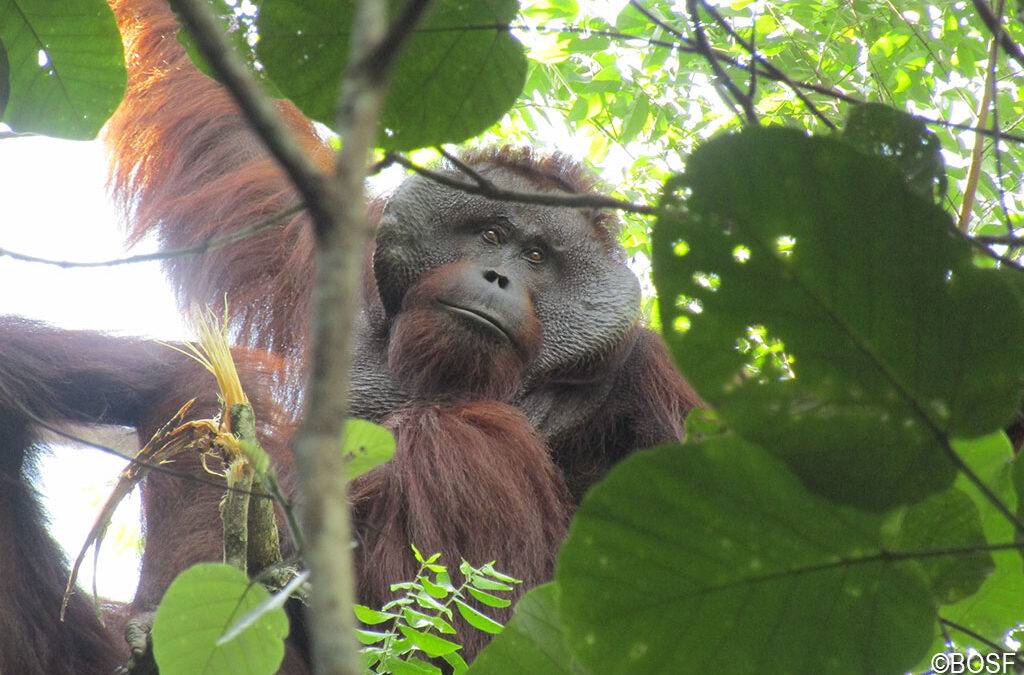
(186, 166)
(76, 376)
(470, 481)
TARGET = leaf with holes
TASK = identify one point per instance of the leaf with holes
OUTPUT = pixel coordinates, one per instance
(66, 66)
(832, 316)
(456, 74)
(902, 139)
(713, 558)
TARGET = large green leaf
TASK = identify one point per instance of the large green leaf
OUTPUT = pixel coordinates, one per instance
(998, 606)
(365, 445)
(893, 341)
(714, 558)
(200, 605)
(456, 75)
(904, 140)
(946, 520)
(66, 66)
(532, 641)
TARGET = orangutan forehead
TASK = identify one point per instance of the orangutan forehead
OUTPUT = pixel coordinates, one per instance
(561, 226)
(603, 226)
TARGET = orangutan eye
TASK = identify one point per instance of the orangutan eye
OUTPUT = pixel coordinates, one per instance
(534, 255)
(491, 236)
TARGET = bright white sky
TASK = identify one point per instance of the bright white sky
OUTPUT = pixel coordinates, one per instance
(54, 206)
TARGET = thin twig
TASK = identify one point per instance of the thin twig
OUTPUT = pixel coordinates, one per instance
(465, 168)
(977, 152)
(491, 191)
(996, 151)
(733, 96)
(765, 70)
(205, 246)
(770, 69)
(674, 32)
(981, 244)
(960, 628)
(994, 24)
(159, 468)
(1010, 240)
(752, 83)
(682, 46)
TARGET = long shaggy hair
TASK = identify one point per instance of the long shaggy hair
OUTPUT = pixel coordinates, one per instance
(470, 481)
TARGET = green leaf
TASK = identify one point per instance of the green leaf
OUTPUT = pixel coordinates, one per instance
(452, 80)
(66, 66)
(894, 341)
(371, 617)
(419, 620)
(433, 589)
(193, 614)
(489, 570)
(552, 9)
(365, 445)
(489, 585)
(947, 520)
(369, 637)
(783, 580)
(432, 645)
(996, 607)
(273, 602)
(413, 666)
(701, 423)
(477, 619)
(533, 640)
(256, 455)
(488, 599)
(904, 140)
(457, 663)
(634, 124)
(425, 601)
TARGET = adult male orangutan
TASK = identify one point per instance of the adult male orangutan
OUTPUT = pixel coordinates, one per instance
(502, 343)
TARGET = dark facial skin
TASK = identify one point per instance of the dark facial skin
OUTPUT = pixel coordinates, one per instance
(465, 331)
(509, 261)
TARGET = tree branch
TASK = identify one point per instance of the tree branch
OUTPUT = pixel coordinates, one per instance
(994, 24)
(977, 152)
(731, 92)
(770, 69)
(341, 241)
(205, 246)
